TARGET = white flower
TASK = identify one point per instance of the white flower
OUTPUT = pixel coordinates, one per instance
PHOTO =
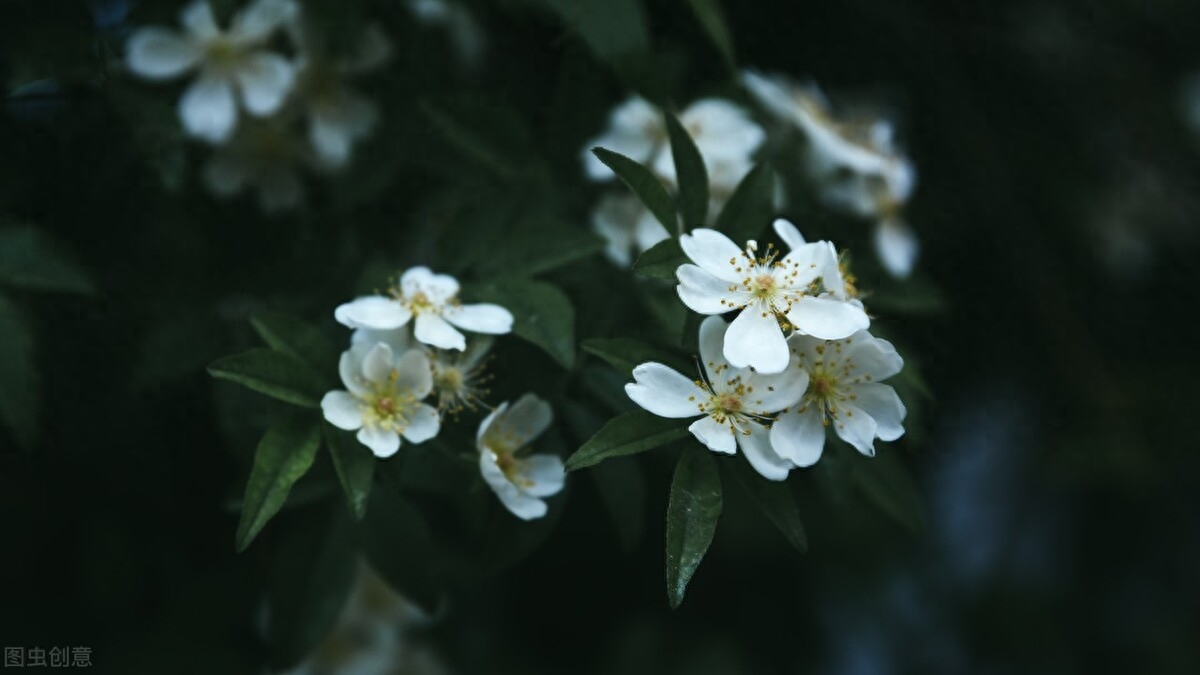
(844, 392)
(805, 291)
(734, 404)
(858, 167)
(264, 156)
(519, 480)
(626, 224)
(225, 59)
(433, 300)
(383, 398)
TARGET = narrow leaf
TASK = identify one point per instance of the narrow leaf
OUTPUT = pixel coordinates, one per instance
(776, 501)
(631, 433)
(751, 207)
(287, 334)
(887, 483)
(19, 382)
(661, 260)
(692, 513)
(284, 454)
(31, 259)
(272, 373)
(542, 314)
(708, 12)
(690, 174)
(644, 184)
(355, 466)
(625, 354)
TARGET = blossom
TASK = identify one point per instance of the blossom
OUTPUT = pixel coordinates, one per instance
(805, 291)
(226, 60)
(383, 398)
(458, 377)
(520, 480)
(264, 156)
(845, 392)
(626, 224)
(857, 165)
(734, 404)
(433, 300)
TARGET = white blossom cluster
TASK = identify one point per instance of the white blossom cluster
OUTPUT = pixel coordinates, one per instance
(268, 113)
(408, 348)
(796, 359)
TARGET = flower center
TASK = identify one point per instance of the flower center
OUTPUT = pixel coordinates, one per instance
(763, 287)
(222, 55)
(388, 407)
(419, 302)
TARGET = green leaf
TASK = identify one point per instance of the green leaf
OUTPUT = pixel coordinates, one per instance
(31, 259)
(541, 248)
(661, 260)
(644, 184)
(692, 513)
(284, 454)
(610, 28)
(272, 373)
(312, 573)
(631, 433)
(709, 13)
(625, 354)
(887, 483)
(398, 543)
(751, 207)
(776, 501)
(355, 466)
(287, 334)
(542, 314)
(690, 172)
(19, 382)
(622, 489)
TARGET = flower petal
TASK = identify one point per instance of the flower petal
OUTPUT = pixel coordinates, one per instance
(432, 329)
(208, 110)
(372, 311)
(884, 406)
(521, 505)
(342, 410)
(715, 436)
(755, 340)
(896, 245)
(487, 423)
(545, 474)
(197, 19)
(856, 428)
(382, 443)
(789, 233)
(799, 436)
(158, 53)
(265, 80)
(614, 219)
(665, 392)
(874, 357)
(399, 339)
(636, 128)
(338, 121)
(772, 393)
(480, 318)
(377, 365)
(423, 425)
(714, 253)
(413, 373)
(756, 446)
(712, 346)
(523, 422)
(438, 288)
(827, 319)
(260, 19)
(350, 368)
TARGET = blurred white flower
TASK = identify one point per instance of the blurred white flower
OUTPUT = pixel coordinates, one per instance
(265, 156)
(459, 377)
(805, 291)
(383, 398)
(856, 165)
(725, 136)
(844, 391)
(226, 60)
(433, 300)
(518, 479)
(734, 404)
(460, 25)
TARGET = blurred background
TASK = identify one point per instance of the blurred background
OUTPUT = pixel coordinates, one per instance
(1058, 152)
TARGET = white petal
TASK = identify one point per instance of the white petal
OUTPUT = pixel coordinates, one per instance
(437, 287)
(259, 20)
(197, 19)
(265, 80)
(434, 330)
(714, 435)
(756, 445)
(799, 436)
(706, 294)
(372, 311)
(647, 231)
(856, 428)
(350, 367)
(884, 406)
(615, 218)
(771, 92)
(665, 392)
(789, 233)
(896, 245)
(721, 129)
(873, 356)
(158, 53)
(423, 425)
(342, 410)
(827, 318)
(399, 339)
(773, 393)
(487, 423)
(521, 505)
(712, 346)
(523, 422)
(413, 373)
(714, 253)
(337, 122)
(378, 363)
(755, 339)
(382, 443)
(545, 473)
(636, 128)
(480, 318)
(208, 110)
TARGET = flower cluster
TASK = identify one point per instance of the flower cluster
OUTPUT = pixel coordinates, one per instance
(390, 371)
(796, 359)
(855, 164)
(268, 114)
(725, 136)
